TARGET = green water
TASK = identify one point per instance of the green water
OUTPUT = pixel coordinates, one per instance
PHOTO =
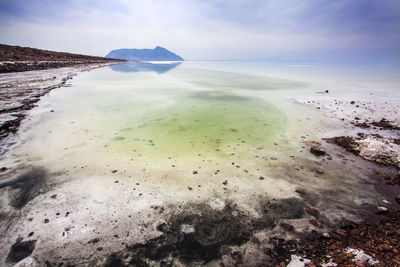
(208, 122)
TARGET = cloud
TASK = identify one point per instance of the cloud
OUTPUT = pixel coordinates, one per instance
(197, 29)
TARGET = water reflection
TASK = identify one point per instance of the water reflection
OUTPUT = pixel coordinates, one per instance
(160, 68)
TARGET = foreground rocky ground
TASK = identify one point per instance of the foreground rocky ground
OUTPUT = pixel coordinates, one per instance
(375, 241)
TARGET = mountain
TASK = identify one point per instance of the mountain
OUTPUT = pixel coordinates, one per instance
(157, 54)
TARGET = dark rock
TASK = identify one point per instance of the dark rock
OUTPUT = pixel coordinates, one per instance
(194, 172)
(313, 212)
(94, 240)
(245, 232)
(384, 247)
(20, 250)
(319, 171)
(3, 169)
(287, 227)
(398, 198)
(46, 220)
(261, 178)
(314, 222)
(340, 232)
(317, 151)
(114, 171)
(267, 251)
(385, 124)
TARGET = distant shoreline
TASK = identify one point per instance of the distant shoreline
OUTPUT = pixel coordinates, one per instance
(17, 59)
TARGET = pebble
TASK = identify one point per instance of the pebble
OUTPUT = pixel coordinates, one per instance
(381, 210)
(317, 151)
(313, 212)
(398, 199)
(194, 172)
(287, 227)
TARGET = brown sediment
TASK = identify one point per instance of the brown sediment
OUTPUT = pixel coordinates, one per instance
(380, 239)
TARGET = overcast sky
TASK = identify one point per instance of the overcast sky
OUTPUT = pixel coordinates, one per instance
(359, 30)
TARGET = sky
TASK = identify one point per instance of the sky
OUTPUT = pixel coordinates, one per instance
(365, 31)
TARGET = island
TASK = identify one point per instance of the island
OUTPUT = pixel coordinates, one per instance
(157, 54)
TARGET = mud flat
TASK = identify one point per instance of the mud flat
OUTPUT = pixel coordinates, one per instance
(201, 165)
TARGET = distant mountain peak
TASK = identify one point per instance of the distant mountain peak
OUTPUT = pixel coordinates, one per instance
(157, 54)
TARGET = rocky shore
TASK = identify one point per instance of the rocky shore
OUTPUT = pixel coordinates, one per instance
(16, 59)
(374, 241)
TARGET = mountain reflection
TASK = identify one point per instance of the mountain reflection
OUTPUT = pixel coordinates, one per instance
(160, 68)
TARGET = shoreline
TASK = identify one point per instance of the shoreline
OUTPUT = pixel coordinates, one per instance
(22, 90)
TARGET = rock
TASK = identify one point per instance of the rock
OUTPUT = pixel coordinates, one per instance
(287, 227)
(245, 232)
(312, 143)
(352, 102)
(3, 169)
(28, 262)
(313, 212)
(398, 198)
(300, 191)
(94, 240)
(114, 171)
(326, 91)
(319, 171)
(380, 210)
(261, 178)
(267, 251)
(384, 247)
(225, 182)
(46, 220)
(314, 222)
(317, 151)
(340, 232)
(194, 172)
(20, 250)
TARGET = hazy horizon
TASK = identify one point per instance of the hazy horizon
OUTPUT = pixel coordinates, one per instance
(308, 31)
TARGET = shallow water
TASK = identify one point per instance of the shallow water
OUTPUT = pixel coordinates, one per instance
(124, 138)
